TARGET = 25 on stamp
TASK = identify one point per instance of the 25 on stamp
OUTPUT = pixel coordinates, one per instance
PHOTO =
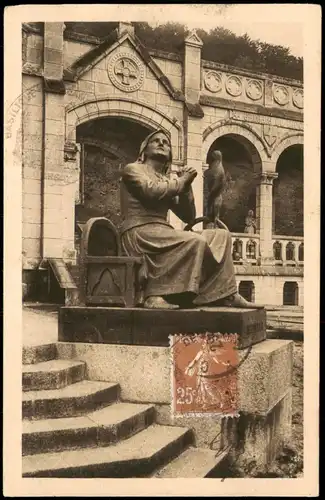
(204, 378)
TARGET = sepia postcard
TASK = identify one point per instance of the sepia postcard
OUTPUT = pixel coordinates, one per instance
(162, 248)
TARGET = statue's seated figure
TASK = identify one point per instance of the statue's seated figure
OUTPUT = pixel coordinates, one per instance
(179, 268)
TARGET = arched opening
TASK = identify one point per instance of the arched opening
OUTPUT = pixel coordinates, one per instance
(251, 249)
(277, 250)
(107, 145)
(288, 203)
(301, 252)
(247, 290)
(290, 251)
(290, 293)
(242, 165)
(237, 250)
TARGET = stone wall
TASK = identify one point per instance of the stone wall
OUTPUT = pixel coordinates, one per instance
(202, 104)
(269, 289)
(32, 151)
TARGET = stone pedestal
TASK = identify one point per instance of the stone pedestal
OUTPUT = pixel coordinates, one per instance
(131, 347)
(152, 327)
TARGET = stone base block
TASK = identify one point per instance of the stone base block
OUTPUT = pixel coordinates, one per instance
(149, 327)
(257, 440)
(265, 375)
(207, 429)
(250, 439)
(144, 372)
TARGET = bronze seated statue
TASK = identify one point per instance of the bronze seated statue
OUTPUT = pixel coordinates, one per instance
(172, 268)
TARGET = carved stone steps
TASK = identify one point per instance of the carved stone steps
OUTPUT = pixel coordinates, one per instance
(53, 374)
(99, 428)
(38, 353)
(70, 401)
(195, 463)
(137, 456)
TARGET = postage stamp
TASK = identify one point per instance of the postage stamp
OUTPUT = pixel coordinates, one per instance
(204, 375)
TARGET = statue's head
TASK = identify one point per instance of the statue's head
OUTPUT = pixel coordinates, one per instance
(157, 146)
(250, 213)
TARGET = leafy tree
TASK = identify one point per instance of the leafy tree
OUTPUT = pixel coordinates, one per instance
(223, 46)
(219, 45)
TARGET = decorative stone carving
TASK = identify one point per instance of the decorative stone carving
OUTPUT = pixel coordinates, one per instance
(234, 86)
(70, 151)
(268, 177)
(266, 120)
(298, 98)
(194, 40)
(281, 95)
(254, 89)
(213, 81)
(126, 71)
(270, 134)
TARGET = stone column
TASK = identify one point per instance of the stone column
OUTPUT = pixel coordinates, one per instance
(265, 216)
(54, 180)
(193, 114)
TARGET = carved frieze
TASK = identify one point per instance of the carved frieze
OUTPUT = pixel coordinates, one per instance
(266, 120)
(281, 94)
(254, 89)
(298, 98)
(126, 71)
(234, 86)
(213, 81)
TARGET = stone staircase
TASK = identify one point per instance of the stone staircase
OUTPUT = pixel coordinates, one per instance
(74, 427)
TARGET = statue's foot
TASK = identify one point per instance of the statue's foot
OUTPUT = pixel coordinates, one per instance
(236, 300)
(155, 302)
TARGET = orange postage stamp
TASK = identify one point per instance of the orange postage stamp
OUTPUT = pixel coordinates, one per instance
(204, 374)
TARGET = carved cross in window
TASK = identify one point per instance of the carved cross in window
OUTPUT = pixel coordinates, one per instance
(125, 69)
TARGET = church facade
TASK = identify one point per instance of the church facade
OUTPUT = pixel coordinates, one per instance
(87, 104)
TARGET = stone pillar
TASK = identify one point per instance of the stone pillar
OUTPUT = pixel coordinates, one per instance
(54, 180)
(265, 216)
(193, 114)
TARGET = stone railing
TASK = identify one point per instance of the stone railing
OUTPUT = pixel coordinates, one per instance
(251, 88)
(288, 250)
(245, 248)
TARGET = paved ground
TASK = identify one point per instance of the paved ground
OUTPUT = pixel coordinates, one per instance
(39, 327)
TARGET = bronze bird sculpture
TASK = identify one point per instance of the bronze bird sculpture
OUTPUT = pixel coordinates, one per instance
(216, 183)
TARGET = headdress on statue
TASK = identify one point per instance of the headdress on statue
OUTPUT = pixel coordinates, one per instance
(145, 144)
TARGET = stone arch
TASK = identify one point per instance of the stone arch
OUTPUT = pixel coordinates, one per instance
(287, 141)
(237, 250)
(251, 249)
(277, 250)
(242, 132)
(246, 288)
(290, 293)
(106, 146)
(124, 107)
(290, 251)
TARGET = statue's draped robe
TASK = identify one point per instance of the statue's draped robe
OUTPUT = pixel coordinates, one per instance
(174, 261)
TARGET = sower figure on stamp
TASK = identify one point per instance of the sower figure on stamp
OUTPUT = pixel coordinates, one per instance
(179, 267)
(207, 390)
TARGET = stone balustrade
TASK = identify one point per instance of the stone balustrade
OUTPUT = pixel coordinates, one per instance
(288, 250)
(236, 84)
(245, 248)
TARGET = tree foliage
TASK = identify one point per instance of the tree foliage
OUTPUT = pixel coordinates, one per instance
(219, 45)
(223, 46)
